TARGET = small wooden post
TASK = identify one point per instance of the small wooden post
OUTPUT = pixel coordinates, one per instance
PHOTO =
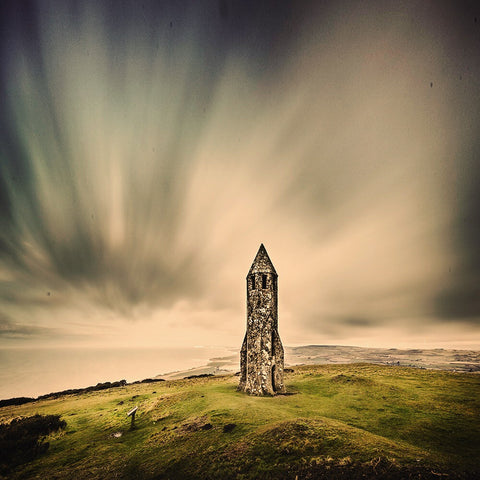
(131, 414)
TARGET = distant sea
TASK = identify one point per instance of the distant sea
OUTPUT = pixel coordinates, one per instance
(34, 372)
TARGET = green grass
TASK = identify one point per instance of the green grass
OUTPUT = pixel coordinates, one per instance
(339, 421)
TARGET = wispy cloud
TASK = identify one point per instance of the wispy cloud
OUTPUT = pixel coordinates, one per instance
(146, 154)
(12, 330)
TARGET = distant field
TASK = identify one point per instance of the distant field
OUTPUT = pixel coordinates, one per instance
(437, 359)
(338, 421)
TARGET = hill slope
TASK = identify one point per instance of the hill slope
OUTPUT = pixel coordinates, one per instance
(341, 421)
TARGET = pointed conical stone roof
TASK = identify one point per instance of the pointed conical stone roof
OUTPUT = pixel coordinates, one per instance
(262, 262)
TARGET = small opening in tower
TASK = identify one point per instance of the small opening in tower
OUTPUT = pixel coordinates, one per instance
(253, 282)
(264, 281)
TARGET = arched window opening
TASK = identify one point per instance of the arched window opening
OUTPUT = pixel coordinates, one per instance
(264, 281)
(253, 282)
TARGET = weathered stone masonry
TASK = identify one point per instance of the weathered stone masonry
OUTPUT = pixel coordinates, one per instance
(261, 356)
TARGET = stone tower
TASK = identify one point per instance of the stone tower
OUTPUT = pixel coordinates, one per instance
(261, 356)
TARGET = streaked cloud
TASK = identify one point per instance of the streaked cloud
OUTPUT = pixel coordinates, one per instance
(148, 150)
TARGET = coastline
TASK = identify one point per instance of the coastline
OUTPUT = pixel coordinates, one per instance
(453, 360)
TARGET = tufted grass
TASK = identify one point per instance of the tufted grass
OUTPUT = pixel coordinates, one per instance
(338, 421)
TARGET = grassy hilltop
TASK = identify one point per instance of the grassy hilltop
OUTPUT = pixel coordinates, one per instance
(338, 421)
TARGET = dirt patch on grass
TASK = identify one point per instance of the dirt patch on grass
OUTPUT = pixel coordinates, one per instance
(195, 425)
(352, 380)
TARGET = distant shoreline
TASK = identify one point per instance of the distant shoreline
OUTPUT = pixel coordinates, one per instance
(453, 360)
(437, 359)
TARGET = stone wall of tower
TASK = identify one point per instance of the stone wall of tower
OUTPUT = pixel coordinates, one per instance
(261, 356)
(277, 377)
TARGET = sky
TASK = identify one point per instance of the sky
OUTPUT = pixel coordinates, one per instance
(147, 149)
